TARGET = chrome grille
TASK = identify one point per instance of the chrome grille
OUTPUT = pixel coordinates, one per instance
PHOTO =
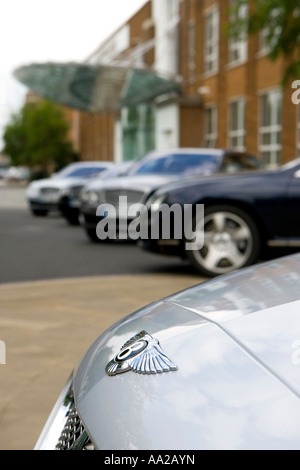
(76, 191)
(74, 435)
(112, 196)
(49, 191)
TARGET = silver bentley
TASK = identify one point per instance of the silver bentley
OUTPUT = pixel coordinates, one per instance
(216, 366)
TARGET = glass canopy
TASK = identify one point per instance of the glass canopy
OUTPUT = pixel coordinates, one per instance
(94, 88)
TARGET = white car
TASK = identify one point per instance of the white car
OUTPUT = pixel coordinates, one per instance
(44, 195)
(17, 173)
(215, 367)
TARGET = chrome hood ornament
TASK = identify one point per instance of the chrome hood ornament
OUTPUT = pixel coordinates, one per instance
(141, 354)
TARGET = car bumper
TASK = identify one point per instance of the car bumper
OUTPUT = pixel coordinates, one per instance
(36, 204)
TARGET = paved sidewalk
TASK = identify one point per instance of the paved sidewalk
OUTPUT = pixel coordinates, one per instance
(47, 327)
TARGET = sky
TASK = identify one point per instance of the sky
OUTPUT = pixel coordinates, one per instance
(52, 30)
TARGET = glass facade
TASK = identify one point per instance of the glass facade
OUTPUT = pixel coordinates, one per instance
(138, 131)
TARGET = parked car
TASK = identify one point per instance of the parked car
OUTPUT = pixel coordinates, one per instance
(3, 171)
(70, 202)
(215, 367)
(244, 214)
(44, 195)
(17, 173)
(154, 170)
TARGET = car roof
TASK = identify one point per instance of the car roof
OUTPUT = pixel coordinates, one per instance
(187, 150)
(89, 163)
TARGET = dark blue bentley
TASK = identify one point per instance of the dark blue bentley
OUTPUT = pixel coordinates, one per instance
(243, 214)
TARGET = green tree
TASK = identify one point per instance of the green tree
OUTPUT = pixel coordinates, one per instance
(36, 136)
(279, 21)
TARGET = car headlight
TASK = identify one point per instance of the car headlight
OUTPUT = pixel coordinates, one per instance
(90, 197)
(32, 192)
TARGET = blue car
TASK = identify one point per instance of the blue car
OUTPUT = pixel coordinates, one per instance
(243, 214)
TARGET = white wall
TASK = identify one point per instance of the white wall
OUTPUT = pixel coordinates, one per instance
(166, 18)
(167, 126)
(118, 143)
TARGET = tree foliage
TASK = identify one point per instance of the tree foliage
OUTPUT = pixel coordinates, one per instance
(279, 21)
(36, 136)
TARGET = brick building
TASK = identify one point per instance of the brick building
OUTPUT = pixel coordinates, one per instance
(244, 103)
(231, 93)
(228, 92)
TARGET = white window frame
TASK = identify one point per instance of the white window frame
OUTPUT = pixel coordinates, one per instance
(238, 47)
(211, 41)
(237, 134)
(191, 51)
(210, 127)
(273, 129)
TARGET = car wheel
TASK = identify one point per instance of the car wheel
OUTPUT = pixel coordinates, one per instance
(39, 212)
(231, 241)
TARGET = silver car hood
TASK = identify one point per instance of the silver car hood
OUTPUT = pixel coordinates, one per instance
(57, 183)
(238, 380)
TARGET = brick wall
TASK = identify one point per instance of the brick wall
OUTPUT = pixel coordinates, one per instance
(247, 80)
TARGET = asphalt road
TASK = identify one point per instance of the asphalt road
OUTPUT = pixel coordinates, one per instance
(43, 248)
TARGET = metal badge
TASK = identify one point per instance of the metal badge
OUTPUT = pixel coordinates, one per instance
(143, 355)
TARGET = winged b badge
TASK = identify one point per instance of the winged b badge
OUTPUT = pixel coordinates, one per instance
(143, 355)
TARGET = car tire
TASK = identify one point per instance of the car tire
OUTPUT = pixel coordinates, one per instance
(39, 212)
(231, 241)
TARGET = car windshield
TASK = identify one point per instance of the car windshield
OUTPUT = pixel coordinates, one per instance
(85, 172)
(187, 164)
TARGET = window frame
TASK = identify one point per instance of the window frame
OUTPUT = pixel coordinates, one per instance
(240, 132)
(239, 45)
(211, 40)
(272, 129)
(210, 126)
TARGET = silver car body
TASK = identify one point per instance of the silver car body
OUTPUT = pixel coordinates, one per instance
(236, 343)
(47, 192)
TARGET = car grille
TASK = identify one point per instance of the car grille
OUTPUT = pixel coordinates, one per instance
(74, 435)
(49, 191)
(76, 191)
(133, 197)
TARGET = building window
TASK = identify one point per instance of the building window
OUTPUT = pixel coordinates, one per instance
(138, 131)
(270, 128)
(211, 131)
(191, 51)
(211, 41)
(238, 47)
(236, 131)
(269, 36)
